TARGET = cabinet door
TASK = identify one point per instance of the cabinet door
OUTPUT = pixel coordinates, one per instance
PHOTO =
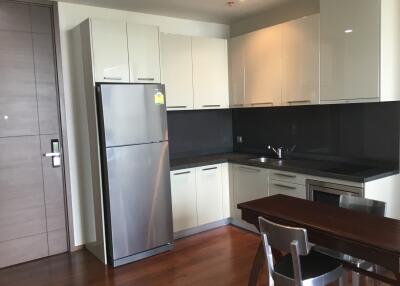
(236, 71)
(301, 61)
(176, 71)
(209, 194)
(210, 73)
(350, 49)
(144, 53)
(110, 51)
(249, 183)
(288, 189)
(263, 67)
(183, 192)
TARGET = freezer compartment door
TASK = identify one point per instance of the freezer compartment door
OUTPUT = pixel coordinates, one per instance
(133, 113)
(139, 193)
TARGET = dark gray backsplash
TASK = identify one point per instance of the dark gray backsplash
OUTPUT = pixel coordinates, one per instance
(366, 132)
(199, 132)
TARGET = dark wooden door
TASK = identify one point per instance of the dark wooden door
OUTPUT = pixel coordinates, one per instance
(32, 204)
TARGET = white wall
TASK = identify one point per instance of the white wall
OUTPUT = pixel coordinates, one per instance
(283, 13)
(70, 16)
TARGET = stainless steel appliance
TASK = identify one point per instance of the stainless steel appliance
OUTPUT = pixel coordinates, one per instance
(330, 193)
(132, 122)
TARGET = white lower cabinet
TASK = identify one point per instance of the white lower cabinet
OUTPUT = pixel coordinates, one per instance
(198, 196)
(249, 183)
(285, 188)
(209, 194)
(183, 192)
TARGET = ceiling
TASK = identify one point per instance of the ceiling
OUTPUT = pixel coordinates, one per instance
(203, 10)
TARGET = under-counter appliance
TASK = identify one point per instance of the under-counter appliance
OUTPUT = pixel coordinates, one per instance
(132, 122)
(330, 193)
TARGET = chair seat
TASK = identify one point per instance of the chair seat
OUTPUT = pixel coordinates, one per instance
(313, 265)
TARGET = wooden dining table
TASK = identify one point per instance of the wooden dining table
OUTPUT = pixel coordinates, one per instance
(364, 236)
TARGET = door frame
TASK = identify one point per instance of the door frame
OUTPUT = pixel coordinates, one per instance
(53, 5)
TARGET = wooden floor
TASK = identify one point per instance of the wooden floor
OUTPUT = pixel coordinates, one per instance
(219, 257)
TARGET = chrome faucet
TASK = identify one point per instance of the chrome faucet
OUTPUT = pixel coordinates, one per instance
(278, 151)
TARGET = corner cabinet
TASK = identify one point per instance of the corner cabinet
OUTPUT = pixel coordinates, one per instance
(300, 61)
(109, 49)
(236, 71)
(263, 67)
(176, 71)
(249, 183)
(144, 53)
(360, 48)
(210, 73)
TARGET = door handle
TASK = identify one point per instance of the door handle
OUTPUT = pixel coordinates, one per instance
(285, 187)
(146, 78)
(55, 154)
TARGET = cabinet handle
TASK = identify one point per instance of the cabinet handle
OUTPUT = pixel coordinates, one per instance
(285, 175)
(182, 173)
(208, 169)
(112, 78)
(285, 187)
(177, 106)
(211, 105)
(262, 103)
(250, 169)
(146, 78)
(299, 101)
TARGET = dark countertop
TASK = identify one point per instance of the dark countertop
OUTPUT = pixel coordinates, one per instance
(328, 169)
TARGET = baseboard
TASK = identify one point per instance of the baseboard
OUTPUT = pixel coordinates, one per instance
(244, 225)
(201, 228)
(76, 248)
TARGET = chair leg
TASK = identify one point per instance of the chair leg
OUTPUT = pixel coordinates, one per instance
(343, 279)
(355, 279)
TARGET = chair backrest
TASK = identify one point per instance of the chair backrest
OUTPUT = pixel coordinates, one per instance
(280, 237)
(372, 207)
(288, 239)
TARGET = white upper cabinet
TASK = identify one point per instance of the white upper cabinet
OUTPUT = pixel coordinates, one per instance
(236, 71)
(176, 71)
(263, 67)
(209, 194)
(144, 53)
(110, 51)
(210, 73)
(350, 49)
(301, 61)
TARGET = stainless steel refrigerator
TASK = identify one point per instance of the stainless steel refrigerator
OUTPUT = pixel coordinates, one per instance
(132, 121)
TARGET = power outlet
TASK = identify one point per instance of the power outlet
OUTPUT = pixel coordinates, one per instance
(239, 139)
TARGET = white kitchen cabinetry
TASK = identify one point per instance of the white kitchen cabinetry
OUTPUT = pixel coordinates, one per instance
(184, 205)
(360, 50)
(285, 188)
(176, 71)
(144, 53)
(209, 194)
(263, 67)
(109, 50)
(210, 73)
(236, 48)
(301, 61)
(249, 183)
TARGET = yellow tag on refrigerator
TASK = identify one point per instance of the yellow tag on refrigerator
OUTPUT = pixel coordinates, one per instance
(159, 98)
